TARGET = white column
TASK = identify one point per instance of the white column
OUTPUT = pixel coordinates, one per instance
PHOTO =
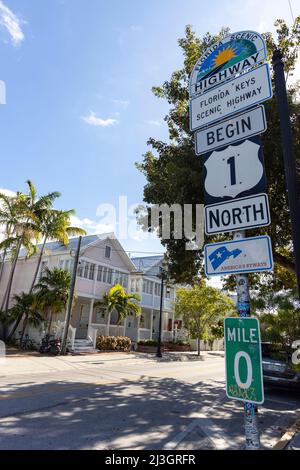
(125, 322)
(107, 324)
(138, 327)
(151, 323)
(173, 318)
(91, 314)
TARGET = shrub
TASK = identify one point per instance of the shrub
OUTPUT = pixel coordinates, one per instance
(147, 342)
(113, 343)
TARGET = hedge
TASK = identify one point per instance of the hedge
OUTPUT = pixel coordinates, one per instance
(113, 343)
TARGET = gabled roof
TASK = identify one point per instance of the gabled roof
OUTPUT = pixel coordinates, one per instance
(54, 248)
(148, 265)
(58, 247)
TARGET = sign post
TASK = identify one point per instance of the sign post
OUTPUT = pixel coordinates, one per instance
(288, 156)
(227, 85)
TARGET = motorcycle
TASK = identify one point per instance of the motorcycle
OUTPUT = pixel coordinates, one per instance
(50, 346)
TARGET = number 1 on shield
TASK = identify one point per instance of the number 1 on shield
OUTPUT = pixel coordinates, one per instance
(231, 163)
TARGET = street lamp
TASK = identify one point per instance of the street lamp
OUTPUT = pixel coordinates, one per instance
(162, 275)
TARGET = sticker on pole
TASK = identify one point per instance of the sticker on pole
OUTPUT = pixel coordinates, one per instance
(245, 255)
(244, 377)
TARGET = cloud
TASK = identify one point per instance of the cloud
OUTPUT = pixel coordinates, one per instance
(91, 226)
(124, 103)
(11, 23)
(93, 120)
(154, 122)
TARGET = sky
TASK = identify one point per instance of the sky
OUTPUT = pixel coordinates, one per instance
(79, 108)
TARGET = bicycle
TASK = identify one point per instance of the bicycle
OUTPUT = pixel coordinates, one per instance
(27, 343)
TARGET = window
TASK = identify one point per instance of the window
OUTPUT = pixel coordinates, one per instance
(86, 270)
(99, 273)
(168, 292)
(107, 252)
(157, 289)
(148, 287)
(104, 274)
(92, 271)
(121, 278)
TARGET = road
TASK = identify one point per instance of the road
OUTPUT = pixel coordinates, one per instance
(129, 401)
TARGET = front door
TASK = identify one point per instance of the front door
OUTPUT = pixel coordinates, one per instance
(83, 322)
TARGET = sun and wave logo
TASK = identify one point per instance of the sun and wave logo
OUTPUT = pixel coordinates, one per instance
(226, 55)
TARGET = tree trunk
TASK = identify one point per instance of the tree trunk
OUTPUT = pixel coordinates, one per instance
(50, 322)
(108, 323)
(198, 346)
(2, 263)
(23, 330)
(38, 265)
(11, 277)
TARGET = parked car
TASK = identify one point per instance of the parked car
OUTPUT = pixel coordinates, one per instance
(277, 367)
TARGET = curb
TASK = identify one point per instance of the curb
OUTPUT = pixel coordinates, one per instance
(287, 436)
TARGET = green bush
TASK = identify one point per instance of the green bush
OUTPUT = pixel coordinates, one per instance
(147, 342)
(113, 343)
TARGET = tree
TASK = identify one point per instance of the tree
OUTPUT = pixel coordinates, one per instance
(26, 230)
(117, 300)
(174, 172)
(52, 292)
(25, 307)
(201, 307)
(55, 224)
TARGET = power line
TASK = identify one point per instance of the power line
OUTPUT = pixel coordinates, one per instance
(291, 10)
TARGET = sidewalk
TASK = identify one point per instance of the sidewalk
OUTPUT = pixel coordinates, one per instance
(27, 362)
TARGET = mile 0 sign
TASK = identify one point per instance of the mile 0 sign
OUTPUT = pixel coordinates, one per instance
(244, 378)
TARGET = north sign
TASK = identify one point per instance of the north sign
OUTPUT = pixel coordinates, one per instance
(243, 92)
(239, 214)
(245, 255)
(238, 127)
(234, 171)
(244, 377)
(225, 59)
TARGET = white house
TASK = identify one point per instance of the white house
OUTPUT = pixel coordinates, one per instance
(103, 263)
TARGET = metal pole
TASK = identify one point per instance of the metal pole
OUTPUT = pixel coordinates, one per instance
(70, 299)
(158, 352)
(243, 306)
(288, 155)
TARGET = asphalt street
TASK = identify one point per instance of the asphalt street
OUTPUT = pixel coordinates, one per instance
(131, 401)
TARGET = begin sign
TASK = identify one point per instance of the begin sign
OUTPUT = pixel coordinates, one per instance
(231, 130)
(244, 378)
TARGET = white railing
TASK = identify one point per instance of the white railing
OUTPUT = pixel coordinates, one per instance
(167, 335)
(144, 333)
(92, 334)
(116, 330)
(71, 336)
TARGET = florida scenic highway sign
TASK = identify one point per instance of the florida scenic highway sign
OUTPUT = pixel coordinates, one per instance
(243, 92)
(225, 59)
(234, 171)
(239, 214)
(244, 378)
(243, 255)
(234, 129)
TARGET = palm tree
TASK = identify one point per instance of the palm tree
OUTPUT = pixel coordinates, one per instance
(26, 233)
(52, 292)
(55, 224)
(25, 306)
(117, 300)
